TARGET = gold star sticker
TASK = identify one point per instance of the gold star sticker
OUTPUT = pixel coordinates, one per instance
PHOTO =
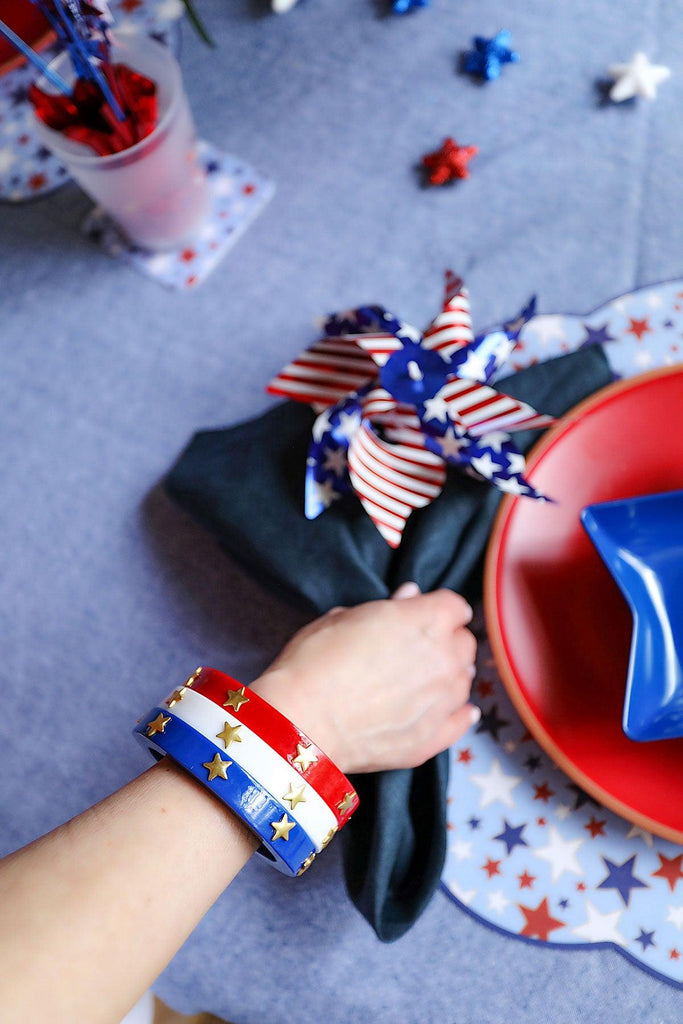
(175, 697)
(347, 802)
(305, 758)
(329, 837)
(159, 724)
(229, 734)
(306, 865)
(282, 828)
(236, 699)
(191, 680)
(295, 796)
(217, 767)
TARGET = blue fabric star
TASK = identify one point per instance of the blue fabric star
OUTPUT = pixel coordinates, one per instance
(645, 939)
(639, 540)
(403, 6)
(474, 823)
(512, 836)
(489, 55)
(621, 878)
(596, 335)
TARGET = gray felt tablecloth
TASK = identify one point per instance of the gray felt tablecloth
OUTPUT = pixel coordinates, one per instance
(109, 594)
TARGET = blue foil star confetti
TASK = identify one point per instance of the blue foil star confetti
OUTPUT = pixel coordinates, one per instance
(403, 6)
(640, 541)
(489, 55)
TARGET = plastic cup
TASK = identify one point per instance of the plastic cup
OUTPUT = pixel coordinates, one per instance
(156, 190)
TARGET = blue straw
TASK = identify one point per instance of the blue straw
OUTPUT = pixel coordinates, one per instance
(51, 76)
(79, 51)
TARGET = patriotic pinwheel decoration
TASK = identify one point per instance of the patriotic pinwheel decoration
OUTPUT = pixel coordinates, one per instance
(395, 406)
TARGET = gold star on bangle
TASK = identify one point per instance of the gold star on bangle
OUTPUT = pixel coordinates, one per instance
(329, 837)
(306, 865)
(347, 803)
(175, 697)
(295, 796)
(229, 734)
(191, 680)
(282, 828)
(159, 724)
(235, 699)
(217, 767)
(304, 756)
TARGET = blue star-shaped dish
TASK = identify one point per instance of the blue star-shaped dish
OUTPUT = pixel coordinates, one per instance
(489, 55)
(641, 542)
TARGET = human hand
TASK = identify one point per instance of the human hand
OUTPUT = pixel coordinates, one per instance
(382, 685)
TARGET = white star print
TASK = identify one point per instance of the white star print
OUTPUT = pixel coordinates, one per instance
(643, 358)
(495, 440)
(170, 9)
(547, 329)
(562, 811)
(637, 78)
(654, 300)
(485, 466)
(635, 833)
(436, 408)
(335, 460)
(600, 927)
(349, 422)
(675, 915)
(516, 462)
(461, 849)
(496, 785)
(464, 895)
(321, 426)
(512, 486)
(474, 367)
(560, 854)
(497, 901)
(450, 444)
(7, 158)
(325, 492)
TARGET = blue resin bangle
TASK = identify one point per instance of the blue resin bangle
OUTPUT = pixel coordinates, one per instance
(284, 842)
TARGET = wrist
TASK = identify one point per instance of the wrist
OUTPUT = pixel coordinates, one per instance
(281, 689)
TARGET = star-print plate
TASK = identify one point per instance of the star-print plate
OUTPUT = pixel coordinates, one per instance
(533, 855)
(530, 852)
(238, 194)
(27, 168)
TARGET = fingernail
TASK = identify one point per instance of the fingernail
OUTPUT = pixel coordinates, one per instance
(406, 590)
(473, 671)
(475, 714)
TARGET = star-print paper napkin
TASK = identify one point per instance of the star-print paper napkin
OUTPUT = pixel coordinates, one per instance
(529, 853)
(238, 194)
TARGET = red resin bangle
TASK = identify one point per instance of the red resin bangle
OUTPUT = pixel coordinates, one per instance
(283, 736)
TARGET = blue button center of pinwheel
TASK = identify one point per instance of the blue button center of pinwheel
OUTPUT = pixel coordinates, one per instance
(413, 374)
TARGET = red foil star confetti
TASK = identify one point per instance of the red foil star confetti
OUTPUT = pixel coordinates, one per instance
(449, 163)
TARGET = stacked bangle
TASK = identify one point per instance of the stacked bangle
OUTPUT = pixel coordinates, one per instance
(257, 762)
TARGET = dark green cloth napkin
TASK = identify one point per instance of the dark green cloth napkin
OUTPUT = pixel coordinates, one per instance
(246, 484)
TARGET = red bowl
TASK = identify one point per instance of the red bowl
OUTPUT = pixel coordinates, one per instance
(26, 20)
(559, 626)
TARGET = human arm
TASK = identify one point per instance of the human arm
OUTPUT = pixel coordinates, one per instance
(92, 912)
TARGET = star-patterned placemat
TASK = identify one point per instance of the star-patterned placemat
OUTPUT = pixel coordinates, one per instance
(529, 853)
(27, 168)
(238, 194)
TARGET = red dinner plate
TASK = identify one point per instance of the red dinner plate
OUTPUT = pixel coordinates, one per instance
(559, 626)
(26, 20)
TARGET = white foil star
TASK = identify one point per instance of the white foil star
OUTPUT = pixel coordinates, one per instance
(637, 78)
